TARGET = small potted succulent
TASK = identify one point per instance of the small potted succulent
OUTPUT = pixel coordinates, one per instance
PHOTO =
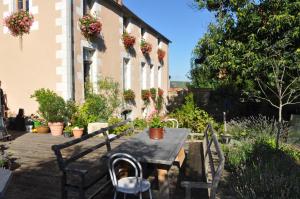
(153, 93)
(161, 54)
(19, 23)
(129, 95)
(156, 130)
(128, 40)
(90, 27)
(146, 47)
(146, 96)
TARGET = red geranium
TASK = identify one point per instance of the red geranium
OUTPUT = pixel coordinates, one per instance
(146, 47)
(160, 92)
(128, 40)
(19, 22)
(161, 54)
(90, 26)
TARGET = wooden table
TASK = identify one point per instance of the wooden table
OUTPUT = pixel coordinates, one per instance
(162, 153)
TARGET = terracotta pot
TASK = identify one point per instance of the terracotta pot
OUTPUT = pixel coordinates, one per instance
(156, 133)
(56, 128)
(78, 132)
(42, 129)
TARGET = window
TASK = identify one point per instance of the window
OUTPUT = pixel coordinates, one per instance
(23, 5)
(125, 24)
(151, 76)
(142, 32)
(87, 72)
(159, 76)
(143, 76)
(159, 42)
(126, 74)
(87, 4)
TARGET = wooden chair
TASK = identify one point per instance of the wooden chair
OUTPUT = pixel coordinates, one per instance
(212, 172)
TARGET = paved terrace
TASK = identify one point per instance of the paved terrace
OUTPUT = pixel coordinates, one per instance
(36, 175)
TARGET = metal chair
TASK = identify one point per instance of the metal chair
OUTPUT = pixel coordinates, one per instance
(175, 123)
(128, 185)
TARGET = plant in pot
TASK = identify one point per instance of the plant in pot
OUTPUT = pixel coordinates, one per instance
(52, 108)
(153, 93)
(128, 40)
(161, 54)
(146, 97)
(79, 123)
(129, 96)
(90, 27)
(19, 23)
(146, 47)
(68, 131)
(156, 130)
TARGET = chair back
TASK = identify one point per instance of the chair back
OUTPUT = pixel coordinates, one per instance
(175, 123)
(123, 157)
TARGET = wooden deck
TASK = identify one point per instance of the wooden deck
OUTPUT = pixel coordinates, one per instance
(36, 175)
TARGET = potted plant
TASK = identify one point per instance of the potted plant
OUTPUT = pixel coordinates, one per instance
(156, 130)
(128, 40)
(146, 47)
(146, 96)
(79, 123)
(68, 131)
(153, 93)
(129, 95)
(90, 27)
(52, 108)
(161, 54)
(19, 23)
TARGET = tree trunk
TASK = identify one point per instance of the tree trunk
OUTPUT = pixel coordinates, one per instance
(279, 125)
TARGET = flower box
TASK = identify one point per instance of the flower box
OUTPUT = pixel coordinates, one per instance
(128, 40)
(146, 47)
(161, 54)
(90, 26)
(19, 23)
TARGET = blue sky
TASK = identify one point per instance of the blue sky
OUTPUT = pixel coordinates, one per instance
(179, 22)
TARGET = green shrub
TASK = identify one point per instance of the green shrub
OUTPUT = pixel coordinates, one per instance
(190, 116)
(259, 170)
(251, 127)
(51, 106)
(139, 124)
(120, 129)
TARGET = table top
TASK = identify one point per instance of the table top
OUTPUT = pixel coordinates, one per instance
(147, 150)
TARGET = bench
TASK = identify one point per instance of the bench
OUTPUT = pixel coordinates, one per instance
(81, 180)
(212, 164)
(5, 176)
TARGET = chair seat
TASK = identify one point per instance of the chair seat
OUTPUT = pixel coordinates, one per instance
(131, 186)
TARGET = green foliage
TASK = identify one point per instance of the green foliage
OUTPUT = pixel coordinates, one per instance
(153, 93)
(71, 109)
(51, 106)
(251, 127)
(99, 106)
(259, 170)
(254, 46)
(156, 122)
(139, 124)
(190, 116)
(120, 129)
(129, 95)
(146, 97)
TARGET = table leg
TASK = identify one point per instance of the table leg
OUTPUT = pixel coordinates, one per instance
(180, 157)
(163, 182)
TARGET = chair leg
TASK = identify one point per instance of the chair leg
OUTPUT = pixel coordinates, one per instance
(124, 195)
(141, 195)
(150, 194)
(115, 195)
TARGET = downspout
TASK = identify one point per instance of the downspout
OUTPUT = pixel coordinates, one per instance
(70, 50)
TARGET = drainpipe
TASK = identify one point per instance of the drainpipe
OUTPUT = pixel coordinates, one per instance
(70, 50)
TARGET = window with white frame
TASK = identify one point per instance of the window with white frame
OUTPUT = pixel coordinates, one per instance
(152, 76)
(126, 74)
(143, 33)
(22, 5)
(143, 76)
(159, 76)
(125, 24)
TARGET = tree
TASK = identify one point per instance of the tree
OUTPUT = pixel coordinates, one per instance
(255, 46)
